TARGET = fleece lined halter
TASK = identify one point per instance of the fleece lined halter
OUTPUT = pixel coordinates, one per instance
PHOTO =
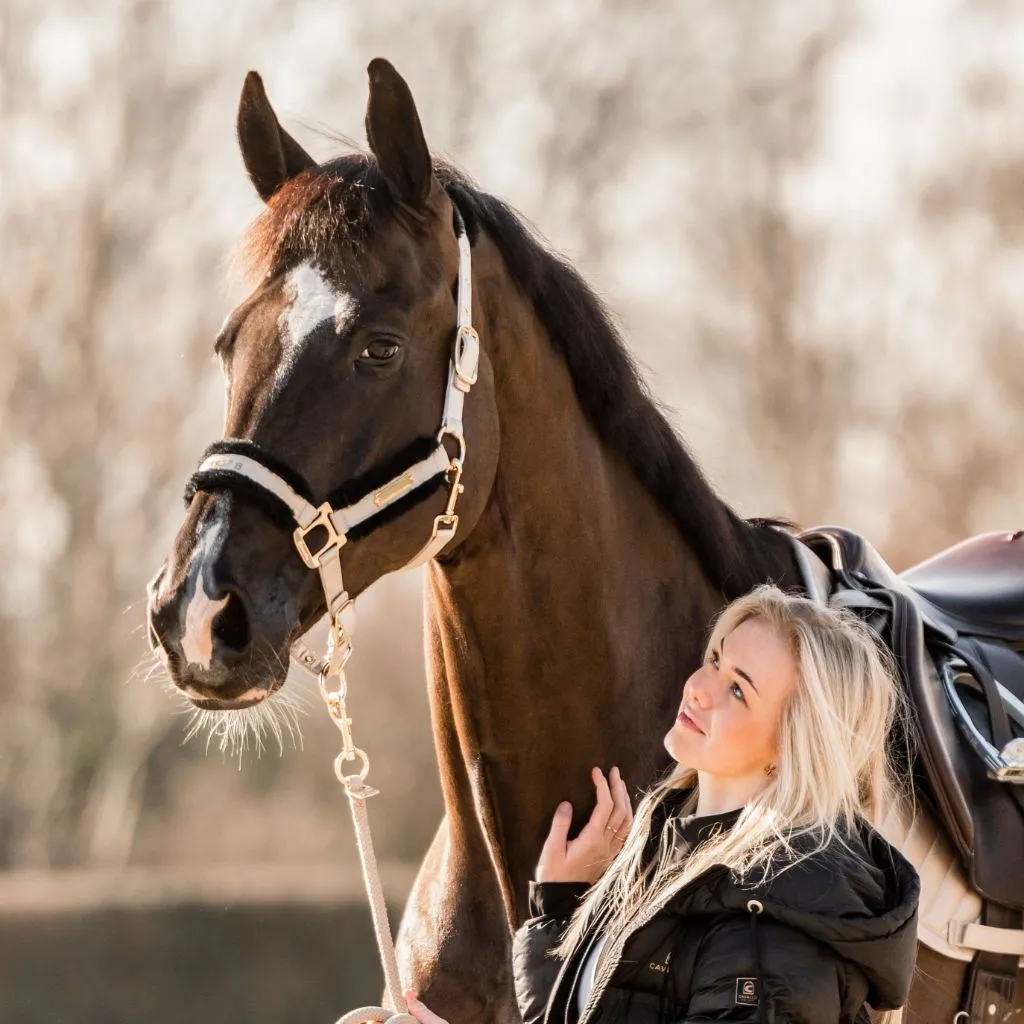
(230, 463)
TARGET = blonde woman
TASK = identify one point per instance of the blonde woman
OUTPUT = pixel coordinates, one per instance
(751, 886)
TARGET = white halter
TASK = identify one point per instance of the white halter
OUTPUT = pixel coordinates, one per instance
(462, 375)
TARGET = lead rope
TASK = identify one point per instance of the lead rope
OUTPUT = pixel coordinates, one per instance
(358, 792)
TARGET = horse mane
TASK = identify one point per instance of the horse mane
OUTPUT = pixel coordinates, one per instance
(328, 209)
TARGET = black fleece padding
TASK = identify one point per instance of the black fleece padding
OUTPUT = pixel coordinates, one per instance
(346, 494)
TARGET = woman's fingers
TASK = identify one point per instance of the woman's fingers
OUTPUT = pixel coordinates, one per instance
(602, 811)
(422, 1013)
(553, 853)
(558, 834)
(586, 857)
(604, 794)
(622, 816)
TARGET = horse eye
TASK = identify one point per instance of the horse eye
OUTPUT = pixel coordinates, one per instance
(380, 351)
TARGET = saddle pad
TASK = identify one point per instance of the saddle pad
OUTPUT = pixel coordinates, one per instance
(946, 898)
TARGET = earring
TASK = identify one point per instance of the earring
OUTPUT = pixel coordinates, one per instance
(770, 769)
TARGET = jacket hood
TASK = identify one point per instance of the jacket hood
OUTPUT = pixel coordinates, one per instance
(859, 898)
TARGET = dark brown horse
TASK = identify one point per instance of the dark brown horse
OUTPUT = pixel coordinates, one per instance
(590, 556)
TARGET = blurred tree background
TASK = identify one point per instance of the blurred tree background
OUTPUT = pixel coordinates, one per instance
(807, 215)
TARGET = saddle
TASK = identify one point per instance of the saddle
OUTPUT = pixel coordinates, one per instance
(955, 625)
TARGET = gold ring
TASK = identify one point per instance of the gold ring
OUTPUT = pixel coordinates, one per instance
(608, 828)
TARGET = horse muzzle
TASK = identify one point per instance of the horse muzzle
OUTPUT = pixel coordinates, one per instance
(207, 642)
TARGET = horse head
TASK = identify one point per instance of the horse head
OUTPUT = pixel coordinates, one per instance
(337, 367)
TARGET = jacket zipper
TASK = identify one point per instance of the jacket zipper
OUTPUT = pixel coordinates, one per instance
(609, 957)
(579, 973)
(563, 970)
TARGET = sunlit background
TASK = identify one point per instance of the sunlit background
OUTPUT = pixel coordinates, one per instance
(808, 216)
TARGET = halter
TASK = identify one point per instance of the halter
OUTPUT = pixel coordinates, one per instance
(338, 523)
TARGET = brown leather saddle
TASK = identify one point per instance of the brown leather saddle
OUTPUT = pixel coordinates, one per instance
(955, 624)
(977, 586)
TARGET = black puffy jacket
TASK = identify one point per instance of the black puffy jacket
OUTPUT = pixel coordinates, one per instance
(835, 930)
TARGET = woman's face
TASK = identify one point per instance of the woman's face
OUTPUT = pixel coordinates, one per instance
(728, 722)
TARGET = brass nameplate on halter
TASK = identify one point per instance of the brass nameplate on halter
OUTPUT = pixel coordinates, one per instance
(389, 492)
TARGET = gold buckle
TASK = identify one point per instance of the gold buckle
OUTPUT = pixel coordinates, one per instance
(323, 519)
(444, 522)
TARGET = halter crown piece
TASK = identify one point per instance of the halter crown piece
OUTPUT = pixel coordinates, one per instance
(329, 669)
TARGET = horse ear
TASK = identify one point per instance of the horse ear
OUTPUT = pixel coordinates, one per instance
(395, 135)
(270, 154)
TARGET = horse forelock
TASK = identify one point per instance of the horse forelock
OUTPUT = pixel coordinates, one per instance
(322, 216)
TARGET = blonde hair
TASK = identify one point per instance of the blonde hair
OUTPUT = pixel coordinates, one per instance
(833, 767)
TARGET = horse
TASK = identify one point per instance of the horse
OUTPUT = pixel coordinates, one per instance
(591, 552)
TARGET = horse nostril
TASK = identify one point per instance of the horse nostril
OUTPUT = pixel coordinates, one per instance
(230, 626)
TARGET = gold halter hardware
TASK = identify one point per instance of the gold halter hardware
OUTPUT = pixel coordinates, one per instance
(335, 702)
(323, 519)
(453, 477)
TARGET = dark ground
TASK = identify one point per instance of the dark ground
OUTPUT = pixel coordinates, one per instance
(196, 963)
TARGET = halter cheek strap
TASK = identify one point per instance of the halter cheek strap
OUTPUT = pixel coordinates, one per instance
(321, 531)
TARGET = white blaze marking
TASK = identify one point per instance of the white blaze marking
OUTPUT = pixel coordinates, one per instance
(312, 300)
(197, 643)
(197, 638)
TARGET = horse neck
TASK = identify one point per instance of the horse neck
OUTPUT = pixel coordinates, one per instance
(560, 634)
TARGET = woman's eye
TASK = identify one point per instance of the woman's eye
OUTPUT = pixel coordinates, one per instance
(737, 691)
(380, 351)
(713, 660)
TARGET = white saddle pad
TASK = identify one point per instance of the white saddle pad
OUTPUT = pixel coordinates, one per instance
(945, 896)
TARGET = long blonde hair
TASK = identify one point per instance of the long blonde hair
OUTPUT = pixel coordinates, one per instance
(833, 767)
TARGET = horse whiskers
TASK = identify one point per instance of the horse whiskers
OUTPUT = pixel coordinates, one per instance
(147, 664)
(236, 730)
(285, 704)
(148, 667)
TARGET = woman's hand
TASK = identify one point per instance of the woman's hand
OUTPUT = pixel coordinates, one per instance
(422, 1013)
(585, 858)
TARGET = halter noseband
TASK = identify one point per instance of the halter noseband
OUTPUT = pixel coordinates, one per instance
(218, 469)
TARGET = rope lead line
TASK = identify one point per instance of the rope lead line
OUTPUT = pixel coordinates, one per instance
(381, 925)
(366, 1014)
(358, 793)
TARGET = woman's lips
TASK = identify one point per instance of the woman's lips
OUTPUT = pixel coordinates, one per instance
(688, 722)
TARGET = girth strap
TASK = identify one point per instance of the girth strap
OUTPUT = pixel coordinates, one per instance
(991, 981)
